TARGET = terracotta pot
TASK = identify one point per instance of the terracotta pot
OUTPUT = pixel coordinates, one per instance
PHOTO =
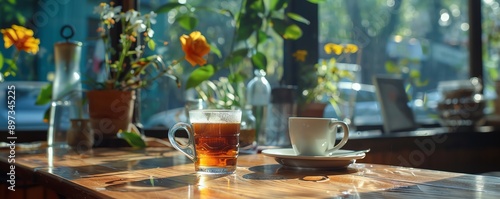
(110, 111)
(313, 109)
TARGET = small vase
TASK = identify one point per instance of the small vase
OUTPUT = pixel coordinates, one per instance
(66, 101)
(110, 111)
(80, 136)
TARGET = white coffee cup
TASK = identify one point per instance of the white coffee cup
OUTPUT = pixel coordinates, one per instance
(314, 136)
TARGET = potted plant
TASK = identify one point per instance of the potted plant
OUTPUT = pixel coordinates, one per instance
(324, 83)
(127, 69)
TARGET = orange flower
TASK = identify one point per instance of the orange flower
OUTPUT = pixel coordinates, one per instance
(21, 37)
(195, 46)
(300, 55)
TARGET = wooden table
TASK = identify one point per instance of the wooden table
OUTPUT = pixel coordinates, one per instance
(165, 173)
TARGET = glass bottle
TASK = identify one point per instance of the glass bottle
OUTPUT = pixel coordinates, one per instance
(258, 96)
(248, 134)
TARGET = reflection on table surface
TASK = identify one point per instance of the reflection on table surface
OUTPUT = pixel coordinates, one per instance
(165, 173)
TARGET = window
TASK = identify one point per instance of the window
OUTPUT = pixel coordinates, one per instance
(491, 54)
(423, 41)
(45, 18)
(164, 101)
(427, 40)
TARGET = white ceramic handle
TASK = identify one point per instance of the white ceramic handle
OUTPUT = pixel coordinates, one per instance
(333, 124)
(189, 149)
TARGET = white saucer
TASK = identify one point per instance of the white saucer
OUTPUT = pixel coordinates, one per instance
(287, 157)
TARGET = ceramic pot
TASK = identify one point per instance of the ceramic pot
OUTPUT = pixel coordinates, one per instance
(110, 111)
(313, 109)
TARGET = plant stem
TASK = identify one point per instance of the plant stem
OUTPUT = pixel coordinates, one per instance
(166, 70)
(16, 56)
(237, 25)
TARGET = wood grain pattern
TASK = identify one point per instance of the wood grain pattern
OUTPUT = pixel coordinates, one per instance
(164, 173)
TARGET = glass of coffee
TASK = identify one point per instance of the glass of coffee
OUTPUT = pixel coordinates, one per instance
(213, 140)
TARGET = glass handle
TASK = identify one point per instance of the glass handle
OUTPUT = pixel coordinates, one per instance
(187, 149)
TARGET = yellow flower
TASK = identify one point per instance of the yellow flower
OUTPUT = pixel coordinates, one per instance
(195, 46)
(350, 48)
(335, 48)
(300, 55)
(21, 37)
(339, 49)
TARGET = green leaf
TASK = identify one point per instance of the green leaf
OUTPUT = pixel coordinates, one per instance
(135, 140)
(187, 22)
(243, 52)
(279, 25)
(236, 77)
(414, 74)
(236, 56)
(11, 64)
(12, 1)
(46, 114)
(391, 67)
(45, 95)
(298, 18)
(7, 9)
(493, 74)
(215, 50)
(277, 4)
(243, 33)
(257, 22)
(419, 83)
(167, 7)
(259, 60)
(262, 36)
(152, 180)
(316, 1)
(226, 12)
(199, 75)
(256, 6)
(276, 15)
(9, 17)
(407, 88)
(214, 10)
(1, 61)
(229, 61)
(151, 44)
(20, 18)
(292, 32)
(247, 25)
